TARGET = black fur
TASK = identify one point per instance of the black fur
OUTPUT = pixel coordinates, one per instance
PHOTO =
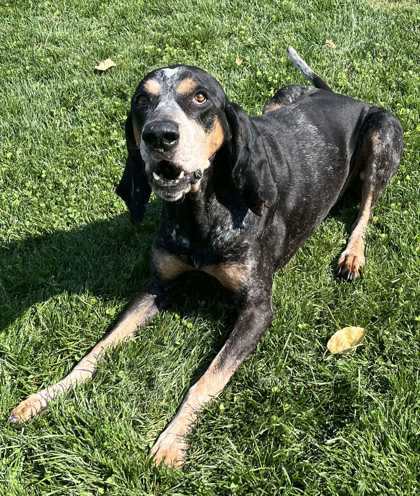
(251, 169)
(134, 188)
(273, 181)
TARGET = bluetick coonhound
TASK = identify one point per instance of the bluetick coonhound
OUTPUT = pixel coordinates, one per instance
(240, 195)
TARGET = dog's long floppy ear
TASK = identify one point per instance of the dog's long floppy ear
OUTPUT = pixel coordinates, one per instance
(134, 188)
(251, 171)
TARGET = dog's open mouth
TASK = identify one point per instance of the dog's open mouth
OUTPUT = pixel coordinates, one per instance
(169, 181)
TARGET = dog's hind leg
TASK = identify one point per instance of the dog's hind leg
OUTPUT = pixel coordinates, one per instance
(352, 259)
(377, 158)
(139, 313)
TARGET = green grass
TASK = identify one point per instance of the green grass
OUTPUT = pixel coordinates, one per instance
(293, 420)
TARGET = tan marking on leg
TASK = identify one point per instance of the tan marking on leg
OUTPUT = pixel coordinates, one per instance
(216, 138)
(152, 87)
(167, 265)
(272, 107)
(139, 313)
(352, 259)
(231, 275)
(186, 86)
(171, 446)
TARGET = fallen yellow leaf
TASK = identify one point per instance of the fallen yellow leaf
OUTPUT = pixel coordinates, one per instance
(345, 339)
(104, 65)
(330, 44)
(238, 61)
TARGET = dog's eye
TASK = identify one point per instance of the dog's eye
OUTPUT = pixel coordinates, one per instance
(200, 98)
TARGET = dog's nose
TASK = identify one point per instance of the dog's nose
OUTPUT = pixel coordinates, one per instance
(162, 135)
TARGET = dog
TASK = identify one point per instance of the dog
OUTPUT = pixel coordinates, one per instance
(240, 195)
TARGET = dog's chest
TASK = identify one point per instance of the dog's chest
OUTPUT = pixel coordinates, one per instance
(233, 275)
(205, 244)
(218, 248)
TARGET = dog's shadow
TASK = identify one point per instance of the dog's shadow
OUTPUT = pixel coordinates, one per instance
(108, 258)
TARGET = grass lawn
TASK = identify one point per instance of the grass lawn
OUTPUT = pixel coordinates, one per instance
(294, 420)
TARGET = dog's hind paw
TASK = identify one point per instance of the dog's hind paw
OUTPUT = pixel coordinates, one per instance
(350, 265)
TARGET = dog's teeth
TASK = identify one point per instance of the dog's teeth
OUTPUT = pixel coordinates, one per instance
(155, 176)
(181, 175)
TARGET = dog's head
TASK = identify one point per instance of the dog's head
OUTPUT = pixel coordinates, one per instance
(179, 119)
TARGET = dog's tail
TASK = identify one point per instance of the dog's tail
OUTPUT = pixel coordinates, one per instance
(300, 64)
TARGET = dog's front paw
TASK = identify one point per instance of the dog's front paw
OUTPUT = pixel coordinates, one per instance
(27, 409)
(350, 265)
(169, 449)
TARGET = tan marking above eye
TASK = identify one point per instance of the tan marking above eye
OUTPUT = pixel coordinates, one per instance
(186, 86)
(152, 87)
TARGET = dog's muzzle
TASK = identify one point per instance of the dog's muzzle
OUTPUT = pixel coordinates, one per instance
(170, 182)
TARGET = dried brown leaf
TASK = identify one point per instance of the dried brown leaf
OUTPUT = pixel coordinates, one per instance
(345, 339)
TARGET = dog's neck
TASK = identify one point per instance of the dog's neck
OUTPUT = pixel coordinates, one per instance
(194, 205)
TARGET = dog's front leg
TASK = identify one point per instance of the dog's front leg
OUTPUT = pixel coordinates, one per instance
(139, 313)
(254, 318)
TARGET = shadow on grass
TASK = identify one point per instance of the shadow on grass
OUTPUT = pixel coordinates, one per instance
(107, 258)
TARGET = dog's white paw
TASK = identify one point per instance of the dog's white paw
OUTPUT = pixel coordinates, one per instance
(27, 409)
